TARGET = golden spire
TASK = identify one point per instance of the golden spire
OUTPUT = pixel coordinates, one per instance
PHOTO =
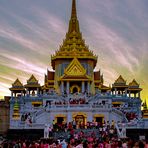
(74, 11)
(73, 45)
(73, 23)
(145, 105)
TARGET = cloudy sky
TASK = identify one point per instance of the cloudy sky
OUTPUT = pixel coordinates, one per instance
(31, 30)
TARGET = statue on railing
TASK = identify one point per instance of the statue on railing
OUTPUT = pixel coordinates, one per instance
(122, 133)
(46, 131)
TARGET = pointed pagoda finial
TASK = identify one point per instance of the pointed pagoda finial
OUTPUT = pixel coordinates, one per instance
(145, 105)
(73, 23)
(73, 11)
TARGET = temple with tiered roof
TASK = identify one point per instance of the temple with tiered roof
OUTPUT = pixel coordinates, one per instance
(73, 91)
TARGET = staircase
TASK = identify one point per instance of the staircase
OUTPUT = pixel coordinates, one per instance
(66, 135)
(120, 114)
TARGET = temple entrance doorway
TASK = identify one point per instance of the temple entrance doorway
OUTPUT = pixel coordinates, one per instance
(60, 120)
(75, 89)
(80, 120)
(99, 119)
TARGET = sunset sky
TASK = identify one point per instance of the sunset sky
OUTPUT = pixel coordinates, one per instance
(31, 30)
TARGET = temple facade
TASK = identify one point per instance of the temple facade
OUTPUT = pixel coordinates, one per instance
(73, 91)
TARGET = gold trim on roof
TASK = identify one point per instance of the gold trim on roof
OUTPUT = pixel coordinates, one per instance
(75, 68)
(32, 79)
(73, 45)
(120, 80)
(75, 71)
(134, 83)
(17, 83)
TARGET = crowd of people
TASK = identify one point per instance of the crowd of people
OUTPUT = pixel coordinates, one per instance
(80, 141)
(100, 135)
(26, 118)
(90, 136)
(72, 101)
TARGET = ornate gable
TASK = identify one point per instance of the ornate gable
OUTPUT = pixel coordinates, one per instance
(32, 79)
(17, 86)
(75, 68)
(120, 80)
(134, 83)
(17, 83)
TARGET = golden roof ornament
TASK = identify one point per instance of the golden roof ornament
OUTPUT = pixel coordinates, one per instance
(134, 83)
(17, 83)
(120, 80)
(73, 41)
(17, 86)
(32, 79)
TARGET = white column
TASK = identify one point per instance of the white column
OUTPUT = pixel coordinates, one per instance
(83, 86)
(67, 87)
(88, 87)
(125, 92)
(27, 91)
(11, 93)
(69, 117)
(37, 91)
(139, 94)
(62, 87)
(129, 94)
(21, 93)
(44, 91)
(115, 91)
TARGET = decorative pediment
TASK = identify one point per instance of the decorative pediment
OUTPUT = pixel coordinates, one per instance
(17, 83)
(120, 80)
(75, 68)
(134, 83)
(32, 79)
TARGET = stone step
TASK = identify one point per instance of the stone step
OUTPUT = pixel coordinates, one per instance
(65, 135)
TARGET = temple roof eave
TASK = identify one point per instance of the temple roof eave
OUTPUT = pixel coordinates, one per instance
(75, 78)
(32, 86)
(54, 58)
(134, 89)
(16, 89)
(73, 56)
(119, 86)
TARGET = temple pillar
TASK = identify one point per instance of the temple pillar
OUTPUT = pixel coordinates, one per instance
(112, 92)
(62, 87)
(21, 93)
(67, 87)
(26, 91)
(83, 87)
(44, 91)
(139, 94)
(37, 91)
(134, 95)
(115, 91)
(69, 117)
(88, 87)
(11, 94)
(129, 94)
(125, 92)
